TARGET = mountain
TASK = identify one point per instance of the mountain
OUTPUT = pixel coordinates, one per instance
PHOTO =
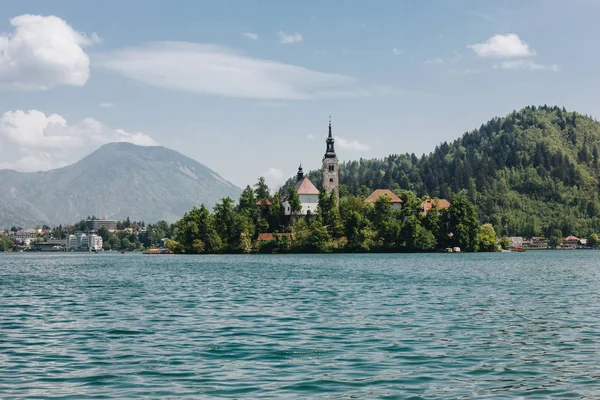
(117, 180)
(533, 172)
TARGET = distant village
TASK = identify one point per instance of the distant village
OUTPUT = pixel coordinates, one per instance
(39, 239)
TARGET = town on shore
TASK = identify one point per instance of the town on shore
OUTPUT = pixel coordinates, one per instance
(297, 218)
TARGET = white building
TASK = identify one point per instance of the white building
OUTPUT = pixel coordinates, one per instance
(308, 193)
(95, 242)
(24, 236)
(83, 242)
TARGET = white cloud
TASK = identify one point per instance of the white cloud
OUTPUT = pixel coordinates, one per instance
(289, 38)
(310, 136)
(503, 46)
(527, 65)
(43, 141)
(250, 35)
(107, 104)
(221, 71)
(435, 60)
(397, 52)
(274, 177)
(351, 144)
(43, 52)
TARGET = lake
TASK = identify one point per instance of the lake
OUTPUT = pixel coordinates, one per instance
(503, 325)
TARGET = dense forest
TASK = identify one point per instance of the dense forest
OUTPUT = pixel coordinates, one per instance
(533, 172)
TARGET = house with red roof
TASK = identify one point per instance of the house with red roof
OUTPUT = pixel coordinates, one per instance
(571, 242)
(394, 199)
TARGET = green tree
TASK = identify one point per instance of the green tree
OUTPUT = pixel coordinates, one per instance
(247, 203)
(6, 243)
(460, 223)
(225, 222)
(486, 238)
(294, 201)
(262, 189)
(593, 240)
(504, 243)
(114, 242)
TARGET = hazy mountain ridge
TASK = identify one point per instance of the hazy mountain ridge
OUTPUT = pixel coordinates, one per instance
(117, 180)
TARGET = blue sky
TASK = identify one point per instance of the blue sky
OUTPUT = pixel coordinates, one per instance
(246, 87)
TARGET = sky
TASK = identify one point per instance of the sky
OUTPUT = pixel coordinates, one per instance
(247, 87)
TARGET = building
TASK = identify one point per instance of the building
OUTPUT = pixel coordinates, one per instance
(538, 242)
(308, 194)
(515, 242)
(331, 177)
(24, 236)
(394, 199)
(83, 242)
(95, 224)
(50, 245)
(571, 242)
(437, 204)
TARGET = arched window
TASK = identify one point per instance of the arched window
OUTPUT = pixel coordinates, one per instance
(331, 168)
(331, 180)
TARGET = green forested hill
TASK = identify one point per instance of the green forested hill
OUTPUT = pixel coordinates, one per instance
(533, 172)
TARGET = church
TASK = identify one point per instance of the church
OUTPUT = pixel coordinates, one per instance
(307, 191)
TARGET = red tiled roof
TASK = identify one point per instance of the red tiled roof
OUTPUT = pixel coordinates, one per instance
(439, 204)
(383, 192)
(260, 202)
(265, 236)
(270, 236)
(305, 186)
(572, 238)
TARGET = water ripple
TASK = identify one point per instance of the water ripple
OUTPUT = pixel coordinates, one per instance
(76, 326)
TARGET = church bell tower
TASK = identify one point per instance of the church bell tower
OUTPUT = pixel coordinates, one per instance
(331, 179)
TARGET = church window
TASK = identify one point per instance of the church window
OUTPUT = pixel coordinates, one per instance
(331, 168)
(331, 180)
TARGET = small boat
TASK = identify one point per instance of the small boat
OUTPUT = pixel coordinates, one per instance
(449, 250)
(456, 249)
(158, 251)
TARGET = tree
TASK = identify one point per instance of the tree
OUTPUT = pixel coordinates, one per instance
(276, 213)
(294, 201)
(114, 242)
(198, 224)
(6, 243)
(247, 203)
(555, 241)
(261, 189)
(460, 224)
(504, 243)
(486, 238)
(225, 222)
(593, 240)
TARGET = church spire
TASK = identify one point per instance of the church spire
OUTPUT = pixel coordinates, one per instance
(300, 173)
(330, 152)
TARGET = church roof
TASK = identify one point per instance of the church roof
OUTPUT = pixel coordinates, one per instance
(305, 186)
(382, 192)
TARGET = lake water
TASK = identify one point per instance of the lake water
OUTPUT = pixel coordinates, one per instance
(335, 326)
